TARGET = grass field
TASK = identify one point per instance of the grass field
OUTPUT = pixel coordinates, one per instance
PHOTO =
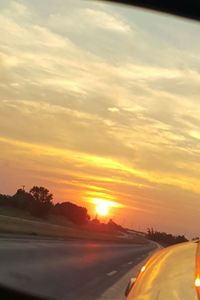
(18, 222)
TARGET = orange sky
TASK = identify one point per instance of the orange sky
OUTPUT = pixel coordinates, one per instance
(102, 101)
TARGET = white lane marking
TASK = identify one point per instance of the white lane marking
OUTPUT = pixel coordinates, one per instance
(130, 263)
(112, 273)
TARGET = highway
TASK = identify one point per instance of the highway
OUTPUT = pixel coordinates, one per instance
(58, 269)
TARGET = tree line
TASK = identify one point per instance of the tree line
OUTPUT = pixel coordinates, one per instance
(39, 203)
(163, 238)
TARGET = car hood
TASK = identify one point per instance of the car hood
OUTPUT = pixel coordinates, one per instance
(169, 274)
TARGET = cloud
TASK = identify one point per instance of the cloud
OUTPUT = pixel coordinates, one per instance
(19, 8)
(106, 21)
(108, 104)
(113, 109)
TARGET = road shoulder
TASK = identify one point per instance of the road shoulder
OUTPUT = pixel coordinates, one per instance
(117, 290)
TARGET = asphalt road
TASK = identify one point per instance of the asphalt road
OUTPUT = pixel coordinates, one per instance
(65, 269)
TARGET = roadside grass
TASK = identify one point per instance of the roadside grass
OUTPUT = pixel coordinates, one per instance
(14, 221)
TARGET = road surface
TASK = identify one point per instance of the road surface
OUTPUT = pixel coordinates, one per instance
(59, 269)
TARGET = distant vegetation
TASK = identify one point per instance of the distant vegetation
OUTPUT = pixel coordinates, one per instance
(163, 238)
(110, 226)
(38, 202)
(72, 212)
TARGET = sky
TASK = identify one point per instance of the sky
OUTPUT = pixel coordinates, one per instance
(102, 101)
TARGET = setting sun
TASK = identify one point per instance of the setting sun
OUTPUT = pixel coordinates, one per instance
(102, 209)
(102, 206)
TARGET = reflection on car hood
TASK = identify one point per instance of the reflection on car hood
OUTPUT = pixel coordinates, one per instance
(169, 275)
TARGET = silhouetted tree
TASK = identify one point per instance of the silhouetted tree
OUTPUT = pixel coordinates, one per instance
(95, 222)
(41, 195)
(164, 238)
(72, 212)
(42, 203)
(195, 238)
(38, 202)
(22, 199)
(5, 200)
(115, 227)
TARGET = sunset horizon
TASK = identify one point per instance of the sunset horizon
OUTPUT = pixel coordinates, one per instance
(102, 102)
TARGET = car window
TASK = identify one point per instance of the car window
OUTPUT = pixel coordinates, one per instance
(99, 142)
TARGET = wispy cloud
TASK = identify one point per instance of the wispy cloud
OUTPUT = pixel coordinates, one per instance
(106, 21)
(101, 99)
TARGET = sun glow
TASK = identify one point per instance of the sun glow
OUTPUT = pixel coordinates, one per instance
(103, 206)
(102, 209)
(197, 282)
